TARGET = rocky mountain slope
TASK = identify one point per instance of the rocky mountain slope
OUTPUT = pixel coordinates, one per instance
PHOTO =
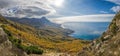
(6, 47)
(37, 41)
(108, 44)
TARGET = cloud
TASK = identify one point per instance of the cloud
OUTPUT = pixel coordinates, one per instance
(25, 8)
(103, 12)
(85, 18)
(115, 8)
(114, 1)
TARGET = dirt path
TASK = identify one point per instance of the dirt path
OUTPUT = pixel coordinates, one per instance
(52, 54)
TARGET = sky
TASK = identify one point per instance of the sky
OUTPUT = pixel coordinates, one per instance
(61, 11)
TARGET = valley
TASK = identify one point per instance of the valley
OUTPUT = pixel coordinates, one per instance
(47, 40)
(59, 27)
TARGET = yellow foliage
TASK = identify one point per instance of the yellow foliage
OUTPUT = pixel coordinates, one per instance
(63, 46)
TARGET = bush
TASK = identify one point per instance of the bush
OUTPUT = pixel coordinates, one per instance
(33, 49)
(30, 49)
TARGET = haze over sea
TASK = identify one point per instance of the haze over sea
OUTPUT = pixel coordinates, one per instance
(86, 30)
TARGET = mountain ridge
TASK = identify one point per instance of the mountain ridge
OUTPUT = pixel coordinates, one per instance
(35, 22)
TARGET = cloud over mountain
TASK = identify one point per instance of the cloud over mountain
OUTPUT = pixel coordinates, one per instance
(25, 8)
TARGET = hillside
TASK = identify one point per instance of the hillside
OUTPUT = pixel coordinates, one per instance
(44, 25)
(38, 41)
(6, 46)
(108, 44)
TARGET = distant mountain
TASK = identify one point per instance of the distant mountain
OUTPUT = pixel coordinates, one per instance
(109, 42)
(42, 23)
(35, 22)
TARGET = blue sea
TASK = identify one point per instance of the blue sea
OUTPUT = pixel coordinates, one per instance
(87, 30)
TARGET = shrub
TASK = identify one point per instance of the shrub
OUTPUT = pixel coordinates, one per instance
(30, 49)
(33, 49)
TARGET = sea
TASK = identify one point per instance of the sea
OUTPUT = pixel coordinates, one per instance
(86, 30)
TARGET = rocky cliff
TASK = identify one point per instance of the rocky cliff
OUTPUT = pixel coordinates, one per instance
(108, 44)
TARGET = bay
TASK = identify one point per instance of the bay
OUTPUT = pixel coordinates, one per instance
(86, 30)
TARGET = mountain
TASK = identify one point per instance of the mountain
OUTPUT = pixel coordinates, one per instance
(44, 25)
(108, 44)
(35, 22)
(18, 39)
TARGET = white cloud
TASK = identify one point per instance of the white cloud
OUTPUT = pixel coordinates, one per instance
(115, 8)
(114, 1)
(25, 8)
(103, 12)
(85, 18)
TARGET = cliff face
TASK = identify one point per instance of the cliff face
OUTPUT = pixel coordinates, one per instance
(108, 44)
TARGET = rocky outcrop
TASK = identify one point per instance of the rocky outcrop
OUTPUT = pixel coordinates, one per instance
(108, 44)
(6, 47)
